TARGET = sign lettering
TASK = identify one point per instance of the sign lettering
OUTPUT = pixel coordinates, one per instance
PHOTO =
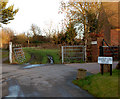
(105, 60)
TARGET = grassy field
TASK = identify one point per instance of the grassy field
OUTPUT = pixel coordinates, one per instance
(101, 85)
(39, 56)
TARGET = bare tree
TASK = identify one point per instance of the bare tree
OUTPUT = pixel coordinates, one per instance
(81, 13)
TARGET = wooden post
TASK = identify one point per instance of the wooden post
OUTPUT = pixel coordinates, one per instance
(110, 69)
(102, 66)
(101, 51)
(101, 54)
(62, 55)
(10, 52)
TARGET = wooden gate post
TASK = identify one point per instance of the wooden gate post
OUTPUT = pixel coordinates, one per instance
(101, 54)
(10, 52)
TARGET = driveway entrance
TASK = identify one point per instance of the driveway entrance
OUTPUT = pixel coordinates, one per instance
(46, 81)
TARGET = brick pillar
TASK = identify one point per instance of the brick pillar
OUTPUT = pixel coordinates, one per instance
(94, 52)
(95, 49)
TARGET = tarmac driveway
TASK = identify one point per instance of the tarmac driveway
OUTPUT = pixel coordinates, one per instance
(45, 81)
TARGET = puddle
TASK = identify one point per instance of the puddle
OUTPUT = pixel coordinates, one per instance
(14, 89)
(37, 65)
(34, 65)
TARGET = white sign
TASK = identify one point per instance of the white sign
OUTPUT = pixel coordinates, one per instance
(105, 60)
(94, 42)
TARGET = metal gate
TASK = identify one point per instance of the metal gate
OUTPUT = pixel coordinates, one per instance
(16, 53)
(110, 51)
(73, 54)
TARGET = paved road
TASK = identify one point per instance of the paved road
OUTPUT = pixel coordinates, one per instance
(45, 81)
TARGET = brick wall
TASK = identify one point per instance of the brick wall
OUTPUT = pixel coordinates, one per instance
(115, 37)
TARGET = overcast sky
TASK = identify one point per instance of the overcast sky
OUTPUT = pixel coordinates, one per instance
(39, 12)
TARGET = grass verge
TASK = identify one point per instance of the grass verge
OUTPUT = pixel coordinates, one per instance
(101, 85)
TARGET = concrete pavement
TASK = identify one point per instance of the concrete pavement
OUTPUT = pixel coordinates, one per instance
(47, 81)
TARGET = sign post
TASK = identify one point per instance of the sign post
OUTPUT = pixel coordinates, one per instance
(105, 61)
